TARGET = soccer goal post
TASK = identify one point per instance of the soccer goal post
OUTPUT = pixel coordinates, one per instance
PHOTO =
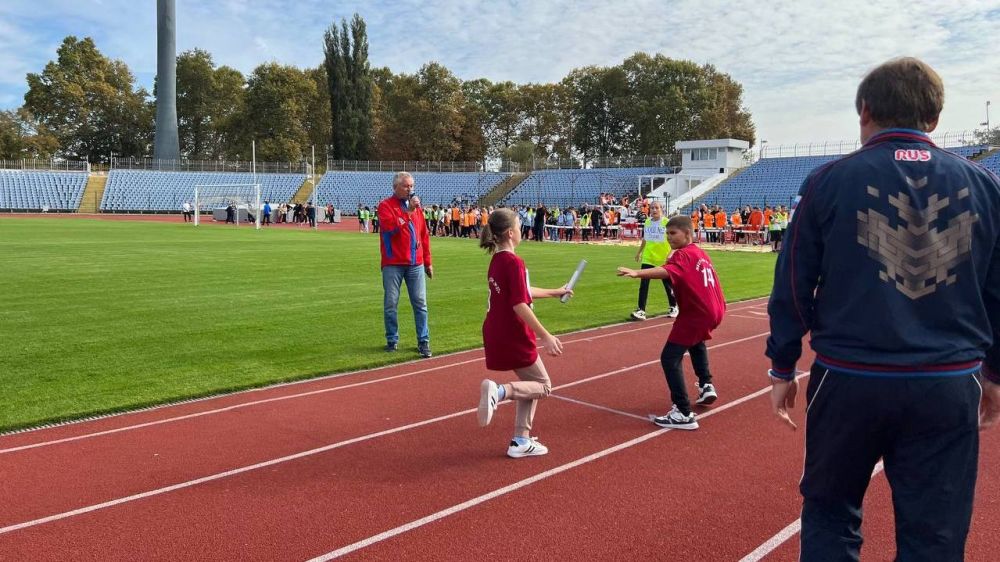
(234, 202)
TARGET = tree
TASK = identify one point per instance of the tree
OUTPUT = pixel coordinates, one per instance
(424, 117)
(350, 86)
(318, 121)
(498, 108)
(21, 136)
(600, 107)
(988, 136)
(90, 103)
(678, 100)
(546, 117)
(274, 113)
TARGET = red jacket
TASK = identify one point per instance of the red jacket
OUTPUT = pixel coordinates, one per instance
(405, 240)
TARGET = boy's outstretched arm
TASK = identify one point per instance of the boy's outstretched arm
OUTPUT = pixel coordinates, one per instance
(651, 273)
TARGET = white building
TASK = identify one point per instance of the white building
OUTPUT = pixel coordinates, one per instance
(704, 165)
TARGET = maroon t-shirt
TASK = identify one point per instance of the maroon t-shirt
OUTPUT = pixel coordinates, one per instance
(699, 296)
(508, 342)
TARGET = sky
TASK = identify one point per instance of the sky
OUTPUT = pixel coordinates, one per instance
(799, 61)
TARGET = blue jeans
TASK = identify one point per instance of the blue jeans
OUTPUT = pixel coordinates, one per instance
(392, 277)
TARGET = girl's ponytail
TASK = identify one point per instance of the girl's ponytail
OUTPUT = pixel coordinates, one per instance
(487, 241)
(499, 222)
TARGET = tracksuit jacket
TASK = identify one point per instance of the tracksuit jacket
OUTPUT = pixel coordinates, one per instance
(404, 236)
(892, 262)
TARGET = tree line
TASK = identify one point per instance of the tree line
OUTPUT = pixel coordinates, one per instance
(83, 105)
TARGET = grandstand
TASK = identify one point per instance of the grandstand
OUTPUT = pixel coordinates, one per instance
(992, 162)
(33, 190)
(155, 191)
(347, 190)
(776, 181)
(572, 187)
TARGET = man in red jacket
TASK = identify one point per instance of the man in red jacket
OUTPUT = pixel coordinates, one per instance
(406, 255)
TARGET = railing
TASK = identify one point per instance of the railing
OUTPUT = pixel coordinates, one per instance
(209, 166)
(647, 161)
(503, 166)
(401, 166)
(833, 148)
(46, 165)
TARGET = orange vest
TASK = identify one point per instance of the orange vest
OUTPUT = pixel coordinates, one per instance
(720, 219)
(736, 219)
(709, 220)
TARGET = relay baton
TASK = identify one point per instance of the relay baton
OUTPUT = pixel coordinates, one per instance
(573, 280)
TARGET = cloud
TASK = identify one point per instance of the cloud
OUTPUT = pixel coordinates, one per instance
(799, 61)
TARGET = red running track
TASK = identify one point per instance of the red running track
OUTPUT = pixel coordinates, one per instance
(389, 464)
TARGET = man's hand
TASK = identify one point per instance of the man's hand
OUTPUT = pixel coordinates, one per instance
(989, 407)
(429, 271)
(626, 272)
(414, 201)
(783, 398)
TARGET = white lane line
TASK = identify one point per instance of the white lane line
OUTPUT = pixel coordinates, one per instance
(279, 398)
(272, 462)
(771, 544)
(598, 407)
(748, 317)
(231, 408)
(364, 543)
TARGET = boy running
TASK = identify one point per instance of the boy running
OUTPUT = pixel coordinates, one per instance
(699, 296)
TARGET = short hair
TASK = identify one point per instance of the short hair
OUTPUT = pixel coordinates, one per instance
(400, 176)
(682, 222)
(903, 92)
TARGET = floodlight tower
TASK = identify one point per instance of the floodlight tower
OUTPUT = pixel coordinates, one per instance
(166, 145)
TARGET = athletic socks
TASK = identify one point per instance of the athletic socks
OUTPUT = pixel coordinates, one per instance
(521, 441)
(501, 393)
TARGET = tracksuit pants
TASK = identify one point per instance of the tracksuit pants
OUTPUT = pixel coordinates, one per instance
(925, 430)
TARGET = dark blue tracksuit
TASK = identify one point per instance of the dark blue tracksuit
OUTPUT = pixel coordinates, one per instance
(892, 263)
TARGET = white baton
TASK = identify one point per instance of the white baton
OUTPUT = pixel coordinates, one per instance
(573, 280)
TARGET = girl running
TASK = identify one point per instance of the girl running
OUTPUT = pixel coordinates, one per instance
(509, 334)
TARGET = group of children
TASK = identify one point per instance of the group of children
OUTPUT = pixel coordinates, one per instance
(511, 330)
(752, 225)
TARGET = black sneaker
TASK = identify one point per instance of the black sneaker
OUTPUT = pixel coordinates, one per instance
(390, 346)
(424, 349)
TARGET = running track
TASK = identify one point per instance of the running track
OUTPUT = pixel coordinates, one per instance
(389, 464)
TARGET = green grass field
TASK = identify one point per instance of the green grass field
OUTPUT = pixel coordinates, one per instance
(101, 316)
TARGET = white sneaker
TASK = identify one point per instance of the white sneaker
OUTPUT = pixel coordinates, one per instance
(639, 315)
(673, 312)
(706, 395)
(488, 399)
(530, 449)
(674, 419)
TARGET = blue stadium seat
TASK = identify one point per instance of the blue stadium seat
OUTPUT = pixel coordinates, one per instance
(347, 190)
(146, 190)
(776, 181)
(33, 190)
(992, 163)
(574, 187)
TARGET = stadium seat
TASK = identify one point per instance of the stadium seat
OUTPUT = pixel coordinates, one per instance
(32, 190)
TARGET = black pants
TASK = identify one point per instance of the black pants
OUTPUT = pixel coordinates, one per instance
(925, 430)
(670, 360)
(644, 290)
